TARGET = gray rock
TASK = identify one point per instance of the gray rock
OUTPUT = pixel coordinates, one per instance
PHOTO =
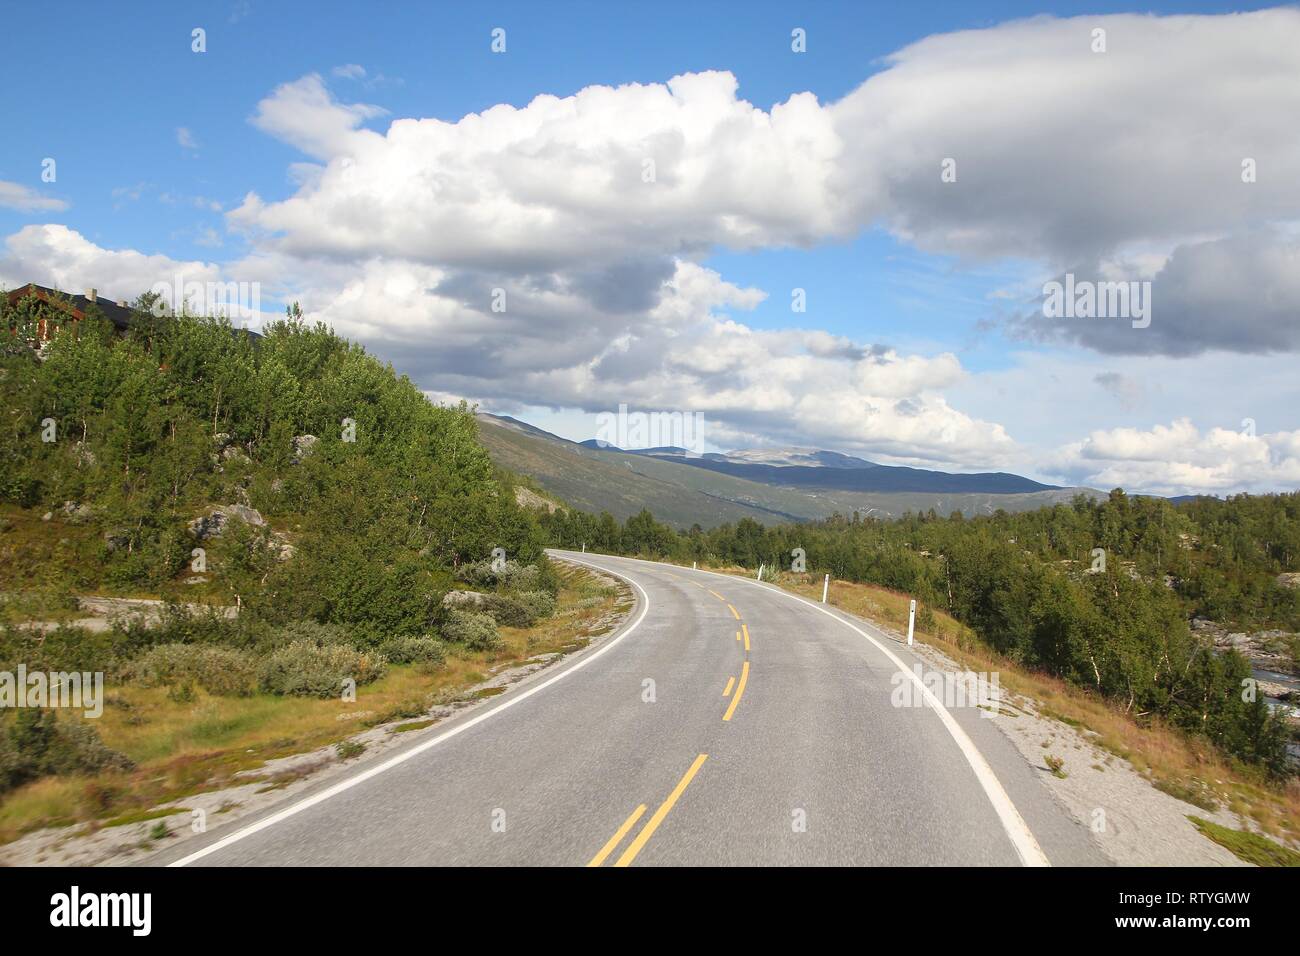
(1289, 579)
(213, 524)
(281, 546)
(116, 540)
(463, 599)
(303, 446)
(77, 513)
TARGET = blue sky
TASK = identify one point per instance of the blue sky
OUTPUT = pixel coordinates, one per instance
(129, 179)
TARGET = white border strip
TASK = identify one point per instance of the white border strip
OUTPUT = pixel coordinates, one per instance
(406, 755)
(1022, 838)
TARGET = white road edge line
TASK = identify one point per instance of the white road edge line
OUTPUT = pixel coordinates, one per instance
(406, 755)
(1022, 838)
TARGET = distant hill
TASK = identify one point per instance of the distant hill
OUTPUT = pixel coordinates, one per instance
(682, 489)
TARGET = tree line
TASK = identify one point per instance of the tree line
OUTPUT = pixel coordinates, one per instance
(1099, 593)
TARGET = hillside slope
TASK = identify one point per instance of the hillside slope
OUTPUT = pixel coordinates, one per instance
(622, 483)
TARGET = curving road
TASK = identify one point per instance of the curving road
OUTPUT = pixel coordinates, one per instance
(726, 723)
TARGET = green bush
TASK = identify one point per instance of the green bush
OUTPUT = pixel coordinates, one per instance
(222, 671)
(311, 632)
(178, 624)
(475, 630)
(349, 749)
(518, 577)
(35, 743)
(477, 573)
(306, 669)
(540, 604)
(507, 611)
(414, 650)
(511, 577)
(65, 648)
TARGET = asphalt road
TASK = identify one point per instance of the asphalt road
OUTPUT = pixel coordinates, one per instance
(726, 723)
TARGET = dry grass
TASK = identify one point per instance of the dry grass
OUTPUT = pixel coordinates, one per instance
(182, 749)
(1177, 763)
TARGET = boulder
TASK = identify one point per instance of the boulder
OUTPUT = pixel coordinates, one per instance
(303, 446)
(77, 513)
(116, 540)
(213, 524)
(463, 599)
(1289, 579)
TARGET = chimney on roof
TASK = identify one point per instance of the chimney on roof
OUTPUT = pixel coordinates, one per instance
(91, 294)
(122, 303)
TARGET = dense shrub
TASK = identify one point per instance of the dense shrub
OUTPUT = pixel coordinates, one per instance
(306, 669)
(311, 632)
(519, 609)
(65, 648)
(218, 670)
(540, 604)
(477, 573)
(511, 576)
(178, 624)
(414, 650)
(507, 611)
(518, 577)
(475, 630)
(35, 743)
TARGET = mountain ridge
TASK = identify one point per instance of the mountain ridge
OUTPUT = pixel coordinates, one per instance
(594, 477)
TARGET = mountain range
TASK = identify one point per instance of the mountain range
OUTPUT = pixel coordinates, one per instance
(789, 484)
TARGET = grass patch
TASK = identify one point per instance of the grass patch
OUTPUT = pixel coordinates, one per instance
(414, 725)
(1250, 847)
(184, 748)
(349, 749)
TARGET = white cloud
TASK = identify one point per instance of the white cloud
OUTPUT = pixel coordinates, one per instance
(1179, 459)
(185, 139)
(350, 71)
(304, 114)
(58, 257)
(25, 199)
(594, 211)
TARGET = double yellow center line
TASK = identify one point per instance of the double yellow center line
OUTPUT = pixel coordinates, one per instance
(652, 824)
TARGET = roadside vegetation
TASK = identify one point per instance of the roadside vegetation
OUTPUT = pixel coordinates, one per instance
(172, 745)
(1181, 764)
(1099, 595)
(305, 524)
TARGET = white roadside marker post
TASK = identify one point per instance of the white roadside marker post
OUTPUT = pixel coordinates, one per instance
(584, 547)
(826, 586)
(693, 568)
(760, 572)
(911, 621)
